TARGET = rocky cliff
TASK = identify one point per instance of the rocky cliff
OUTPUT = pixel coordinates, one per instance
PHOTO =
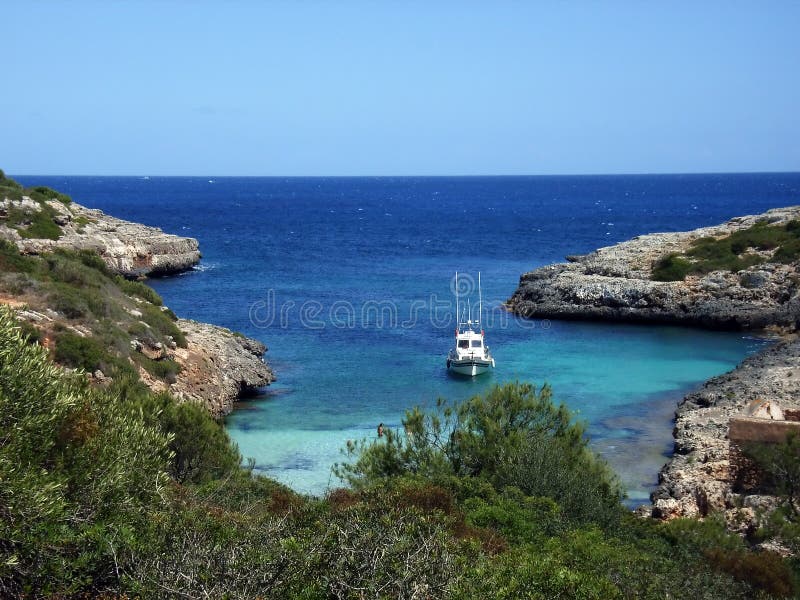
(697, 478)
(614, 283)
(130, 249)
(218, 366)
(108, 326)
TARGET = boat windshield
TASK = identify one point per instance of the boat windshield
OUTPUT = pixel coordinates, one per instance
(476, 343)
(463, 343)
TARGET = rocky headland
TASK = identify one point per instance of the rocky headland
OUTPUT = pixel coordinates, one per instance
(66, 302)
(616, 283)
(130, 249)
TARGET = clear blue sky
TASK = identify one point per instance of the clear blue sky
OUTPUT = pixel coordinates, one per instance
(399, 88)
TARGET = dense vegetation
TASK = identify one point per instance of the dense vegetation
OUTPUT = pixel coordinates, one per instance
(111, 491)
(90, 299)
(755, 245)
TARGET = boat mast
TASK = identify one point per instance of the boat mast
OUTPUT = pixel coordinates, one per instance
(480, 300)
(456, 292)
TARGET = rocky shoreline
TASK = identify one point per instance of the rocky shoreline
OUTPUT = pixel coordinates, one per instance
(130, 249)
(614, 283)
(217, 366)
(698, 478)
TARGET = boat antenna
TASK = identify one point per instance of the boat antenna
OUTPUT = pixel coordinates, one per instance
(480, 300)
(469, 312)
(455, 290)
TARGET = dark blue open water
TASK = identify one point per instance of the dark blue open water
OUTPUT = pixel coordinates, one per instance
(347, 280)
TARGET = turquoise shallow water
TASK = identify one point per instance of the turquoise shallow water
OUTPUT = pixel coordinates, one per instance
(291, 261)
(623, 380)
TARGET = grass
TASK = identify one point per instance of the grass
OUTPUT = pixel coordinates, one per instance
(745, 248)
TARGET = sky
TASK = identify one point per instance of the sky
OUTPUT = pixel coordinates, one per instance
(307, 88)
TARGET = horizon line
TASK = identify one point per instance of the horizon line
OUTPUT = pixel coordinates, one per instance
(417, 176)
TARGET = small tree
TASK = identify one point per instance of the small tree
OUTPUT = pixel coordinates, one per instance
(514, 436)
(780, 467)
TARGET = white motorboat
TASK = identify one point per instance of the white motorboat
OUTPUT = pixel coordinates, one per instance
(471, 355)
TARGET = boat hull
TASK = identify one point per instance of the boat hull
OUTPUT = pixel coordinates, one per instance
(469, 367)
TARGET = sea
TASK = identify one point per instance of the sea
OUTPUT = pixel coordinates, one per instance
(349, 281)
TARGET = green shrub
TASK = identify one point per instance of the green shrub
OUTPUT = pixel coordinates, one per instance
(514, 436)
(81, 284)
(733, 252)
(202, 447)
(78, 472)
(765, 571)
(12, 261)
(69, 301)
(789, 250)
(70, 268)
(89, 354)
(90, 258)
(37, 224)
(695, 536)
(80, 352)
(138, 329)
(671, 268)
(7, 181)
(76, 290)
(165, 369)
(33, 334)
(42, 193)
(779, 467)
(519, 519)
(161, 322)
(139, 290)
(9, 188)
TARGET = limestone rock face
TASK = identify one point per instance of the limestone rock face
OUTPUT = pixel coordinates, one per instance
(697, 478)
(130, 249)
(614, 283)
(218, 366)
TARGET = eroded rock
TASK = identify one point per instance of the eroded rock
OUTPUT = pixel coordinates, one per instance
(218, 366)
(697, 479)
(130, 249)
(614, 283)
